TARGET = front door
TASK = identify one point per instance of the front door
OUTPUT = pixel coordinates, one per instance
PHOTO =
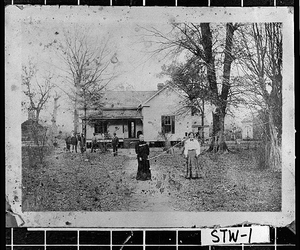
(131, 129)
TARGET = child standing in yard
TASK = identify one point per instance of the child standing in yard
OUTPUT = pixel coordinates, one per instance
(191, 153)
(115, 143)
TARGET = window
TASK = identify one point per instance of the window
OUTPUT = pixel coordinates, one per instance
(101, 127)
(168, 124)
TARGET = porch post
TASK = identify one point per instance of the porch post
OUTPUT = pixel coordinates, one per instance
(202, 121)
(123, 128)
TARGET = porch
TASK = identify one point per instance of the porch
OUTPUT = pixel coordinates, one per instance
(127, 124)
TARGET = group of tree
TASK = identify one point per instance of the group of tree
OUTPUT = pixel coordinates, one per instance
(88, 72)
(260, 60)
(210, 52)
(85, 73)
(37, 88)
(205, 55)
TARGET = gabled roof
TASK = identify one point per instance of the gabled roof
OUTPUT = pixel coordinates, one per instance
(159, 91)
(130, 99)
(121, 99)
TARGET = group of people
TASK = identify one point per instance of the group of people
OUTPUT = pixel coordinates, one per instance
(74, 141)
(114, 142)
(191, 152)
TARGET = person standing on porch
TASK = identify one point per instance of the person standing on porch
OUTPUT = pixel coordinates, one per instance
(191, 153)
(115, 143)
(142, 151)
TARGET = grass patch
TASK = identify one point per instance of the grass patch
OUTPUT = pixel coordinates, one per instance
(232, 182)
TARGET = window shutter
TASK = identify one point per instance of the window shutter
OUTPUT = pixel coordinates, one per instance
(173, 124)
(162, 124)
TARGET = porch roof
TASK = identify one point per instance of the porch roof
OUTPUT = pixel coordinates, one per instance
(117, 115)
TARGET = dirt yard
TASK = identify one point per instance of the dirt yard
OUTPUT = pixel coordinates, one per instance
(100, 182)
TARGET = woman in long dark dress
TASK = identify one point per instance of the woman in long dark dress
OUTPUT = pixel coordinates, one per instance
(142, 151)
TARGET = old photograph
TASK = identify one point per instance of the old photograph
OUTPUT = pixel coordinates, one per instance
(121, 112)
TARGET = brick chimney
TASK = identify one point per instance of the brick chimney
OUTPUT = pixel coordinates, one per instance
(160, 86)
(31, 114)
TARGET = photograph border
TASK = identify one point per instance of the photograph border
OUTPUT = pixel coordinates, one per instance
(15, 16)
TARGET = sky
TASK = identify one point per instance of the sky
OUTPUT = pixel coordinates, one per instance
(127, 43)
(131, 49)
(130, 52)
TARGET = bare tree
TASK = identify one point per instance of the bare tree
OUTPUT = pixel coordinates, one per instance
(53, 131)
(54, 114)
(190, 79)
(90, 97)
(261, 63)
(37, 93)
(87, 71)
(214, 49)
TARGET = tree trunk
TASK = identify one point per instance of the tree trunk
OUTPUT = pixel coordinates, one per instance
(209, 58)
(85, 108)
(202, 122)
(273, 154)
(76, 120)
(275, 101)
(76, 116)
(218, 143)
(213, 141)
(54, 116)
(221, 142)
(202, 129)
(228, 59)
(37, 115)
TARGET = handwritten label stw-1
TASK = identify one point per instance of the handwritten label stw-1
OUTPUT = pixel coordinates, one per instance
(235, 235)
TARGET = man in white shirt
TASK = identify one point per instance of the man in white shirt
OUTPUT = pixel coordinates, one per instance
(192, 152)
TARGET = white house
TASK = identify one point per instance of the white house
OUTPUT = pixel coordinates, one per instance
(247, 128)
(128, 113)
